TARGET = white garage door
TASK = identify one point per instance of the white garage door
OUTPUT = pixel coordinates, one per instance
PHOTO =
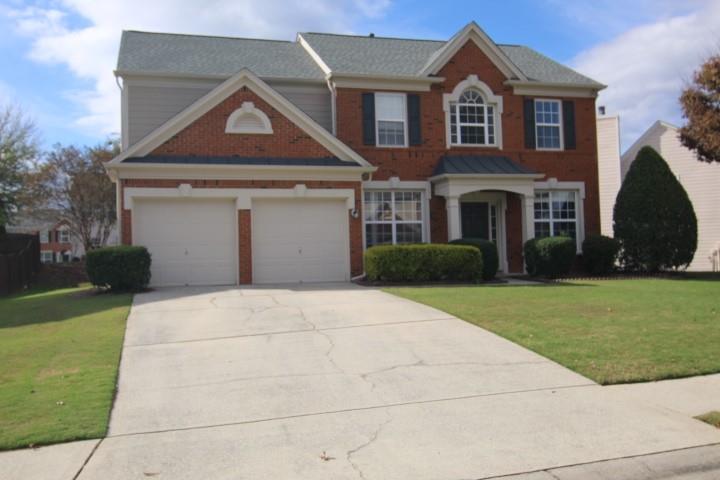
(300, 241)
(192, 241)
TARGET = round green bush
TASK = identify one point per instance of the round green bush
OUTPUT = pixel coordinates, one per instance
(654, 219)
(123, 268)
(549, 257)
(423, 263)
(489, 251)
(599, 254)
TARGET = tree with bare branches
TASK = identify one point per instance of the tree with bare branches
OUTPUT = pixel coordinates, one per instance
(701, 106)
(73, 182)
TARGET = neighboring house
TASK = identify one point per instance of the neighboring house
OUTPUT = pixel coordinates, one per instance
(258, 161)
(608, 138)
(701, 181)
(57, 243)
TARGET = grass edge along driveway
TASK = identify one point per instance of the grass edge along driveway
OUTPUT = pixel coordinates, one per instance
(617, 331)
(59, 351)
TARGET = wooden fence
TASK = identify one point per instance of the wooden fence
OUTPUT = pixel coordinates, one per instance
(19, 261)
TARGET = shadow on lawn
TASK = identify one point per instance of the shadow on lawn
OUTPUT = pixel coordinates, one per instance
(39, 306)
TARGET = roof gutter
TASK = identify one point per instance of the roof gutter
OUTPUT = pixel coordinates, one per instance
(484, 176)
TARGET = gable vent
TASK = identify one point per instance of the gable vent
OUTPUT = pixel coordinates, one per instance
(248, 120)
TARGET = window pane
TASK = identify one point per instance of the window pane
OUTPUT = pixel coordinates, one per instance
(408, 206)
(409, 232)
(474, 135)
(542, 205)
(542, 229)
(564, 229)
(390, 107)
(391, 133)
(548, 137)
(378, 233)
(378, 206)
(563, 205)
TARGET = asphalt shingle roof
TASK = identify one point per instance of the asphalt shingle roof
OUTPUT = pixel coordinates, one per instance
(479, 165)
(165, 53)
(236, 160)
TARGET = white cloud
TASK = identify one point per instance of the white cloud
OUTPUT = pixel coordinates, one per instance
(646, 67)
(90, 50)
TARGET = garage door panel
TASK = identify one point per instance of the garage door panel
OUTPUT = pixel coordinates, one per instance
(192, 241)
(300, 240)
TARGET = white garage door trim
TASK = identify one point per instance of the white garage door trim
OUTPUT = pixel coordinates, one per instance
(226, 224)
(274, 218)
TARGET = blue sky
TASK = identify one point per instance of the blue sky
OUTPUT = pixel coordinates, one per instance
(58, 55)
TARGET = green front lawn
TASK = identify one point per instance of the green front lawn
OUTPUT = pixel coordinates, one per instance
(610, 331)
(59, 353)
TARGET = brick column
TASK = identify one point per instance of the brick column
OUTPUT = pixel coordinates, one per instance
(245, 246)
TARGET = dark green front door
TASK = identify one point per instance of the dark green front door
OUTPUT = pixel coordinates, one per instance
(475, 220)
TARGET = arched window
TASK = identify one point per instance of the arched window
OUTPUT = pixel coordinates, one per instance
(472, 120)
(248, 119)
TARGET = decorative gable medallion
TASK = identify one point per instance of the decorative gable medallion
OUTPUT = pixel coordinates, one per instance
(249, 120)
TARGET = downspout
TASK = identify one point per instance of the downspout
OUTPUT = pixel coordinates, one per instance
(333, 106)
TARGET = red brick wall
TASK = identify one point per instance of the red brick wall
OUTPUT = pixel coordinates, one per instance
(206, 135)
(245, 216)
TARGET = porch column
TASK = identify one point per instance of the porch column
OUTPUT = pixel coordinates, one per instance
(528, 217)
(452, 205)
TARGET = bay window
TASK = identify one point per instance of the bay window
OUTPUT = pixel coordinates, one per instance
(393, 217)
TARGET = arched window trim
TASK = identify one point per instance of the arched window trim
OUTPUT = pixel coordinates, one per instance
(248, 108)
(472, 82)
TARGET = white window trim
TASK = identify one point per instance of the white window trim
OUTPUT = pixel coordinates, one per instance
(44, 236)
(63, 236)
(403, 119)
(559, 124)
(44, 256)
(579, 189)
(249, 109)
(396, 185)
(495, 101)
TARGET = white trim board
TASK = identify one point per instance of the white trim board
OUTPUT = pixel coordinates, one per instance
(244, 78)
(243, 196)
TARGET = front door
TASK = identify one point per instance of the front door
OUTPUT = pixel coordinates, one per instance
(475, 220)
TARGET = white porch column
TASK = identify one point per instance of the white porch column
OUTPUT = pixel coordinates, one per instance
(452, 206)
(528, 217)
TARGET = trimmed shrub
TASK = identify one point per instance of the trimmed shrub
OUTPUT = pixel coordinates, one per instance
(654, 219)
(123, 268)
(599, 254)
(549, 257)
(423, 263)
(489, 253)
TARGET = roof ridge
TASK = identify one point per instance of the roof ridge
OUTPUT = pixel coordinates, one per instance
(210, 36)
(374, 36)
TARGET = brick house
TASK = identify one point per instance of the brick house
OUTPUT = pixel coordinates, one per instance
(57, 245)
(255, 161)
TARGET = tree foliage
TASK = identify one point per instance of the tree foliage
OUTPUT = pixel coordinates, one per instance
(18, 147)
(74, 182)
(701, 106)
(654, 219)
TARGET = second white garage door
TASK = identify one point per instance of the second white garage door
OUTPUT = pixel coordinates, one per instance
(192, 241)
(300, 241)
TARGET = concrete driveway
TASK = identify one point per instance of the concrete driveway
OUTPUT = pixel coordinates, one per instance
(342, 382)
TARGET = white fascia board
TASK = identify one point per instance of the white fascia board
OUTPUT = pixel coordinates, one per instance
(554, 89)
(385, 82)
(484, 176)
(204, 104)
(239, 172)
(472, 31)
